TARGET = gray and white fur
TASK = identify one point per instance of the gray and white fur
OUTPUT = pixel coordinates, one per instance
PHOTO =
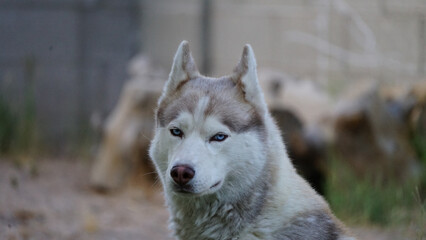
(223, 164)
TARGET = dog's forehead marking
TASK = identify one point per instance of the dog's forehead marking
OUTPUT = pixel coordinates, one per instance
(199, 112)
(187, 98)
(205, 97)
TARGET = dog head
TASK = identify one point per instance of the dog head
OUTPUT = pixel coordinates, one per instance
(210, 132)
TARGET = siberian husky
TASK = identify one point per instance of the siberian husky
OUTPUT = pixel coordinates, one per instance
(223, 164)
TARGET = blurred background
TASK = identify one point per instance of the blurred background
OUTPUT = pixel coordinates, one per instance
(79, 80)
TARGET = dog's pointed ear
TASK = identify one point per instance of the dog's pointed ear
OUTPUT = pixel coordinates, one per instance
(245, 76)
(183, 68)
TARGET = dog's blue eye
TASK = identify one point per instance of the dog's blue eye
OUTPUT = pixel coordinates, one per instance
(176, 132)
(219, 137)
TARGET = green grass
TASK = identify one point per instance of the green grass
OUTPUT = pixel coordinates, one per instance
(8, 127)
(419, 143)
(19, 133)
(367, 201)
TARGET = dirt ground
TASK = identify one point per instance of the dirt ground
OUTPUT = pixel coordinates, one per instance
(54, 201)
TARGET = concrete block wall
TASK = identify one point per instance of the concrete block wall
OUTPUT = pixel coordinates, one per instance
(72, 54)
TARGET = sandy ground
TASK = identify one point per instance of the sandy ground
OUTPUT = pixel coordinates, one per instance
(55, 202)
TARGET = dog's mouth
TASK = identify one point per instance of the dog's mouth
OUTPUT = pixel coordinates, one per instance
(215, 185)
(188, 189)
(183, 189)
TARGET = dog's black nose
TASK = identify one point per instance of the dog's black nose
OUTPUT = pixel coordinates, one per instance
(182, 174)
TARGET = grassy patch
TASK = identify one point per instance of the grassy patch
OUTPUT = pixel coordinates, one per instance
(8, 127)
(419, 143)
(367, 201)
(19, 134)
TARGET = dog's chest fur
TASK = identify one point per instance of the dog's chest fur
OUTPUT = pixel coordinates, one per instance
(213, 217)
(213, 220)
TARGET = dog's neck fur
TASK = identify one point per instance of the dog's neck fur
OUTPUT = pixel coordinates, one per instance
(216, 217)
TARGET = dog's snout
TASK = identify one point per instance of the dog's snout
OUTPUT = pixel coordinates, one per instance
(182, 174)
